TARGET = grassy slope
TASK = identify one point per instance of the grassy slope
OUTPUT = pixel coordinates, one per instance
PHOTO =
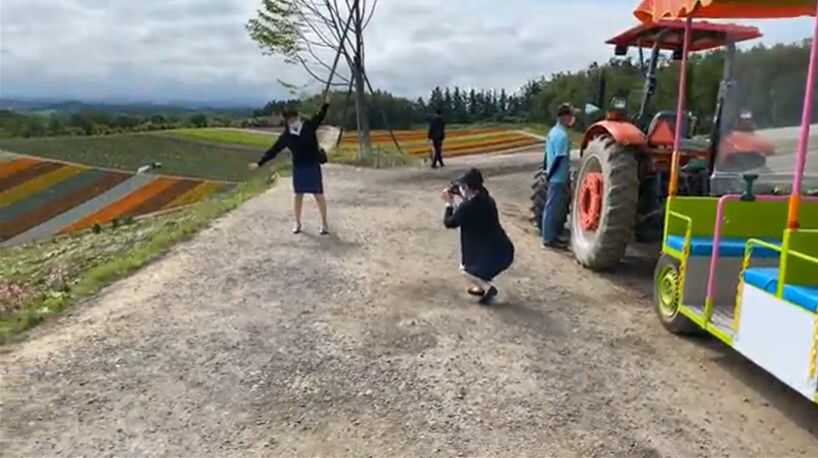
(260, 140)
(41, 279)
(130, 151)
(387, 157)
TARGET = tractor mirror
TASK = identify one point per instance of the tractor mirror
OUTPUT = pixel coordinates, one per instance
(621, 50)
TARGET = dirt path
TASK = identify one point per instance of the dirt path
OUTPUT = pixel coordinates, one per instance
(249, 341)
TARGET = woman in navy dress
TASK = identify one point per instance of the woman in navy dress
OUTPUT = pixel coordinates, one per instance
(301, 139)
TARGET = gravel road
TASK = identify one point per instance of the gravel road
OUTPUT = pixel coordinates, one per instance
(250, 341)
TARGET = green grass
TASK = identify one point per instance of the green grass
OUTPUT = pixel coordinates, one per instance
(41, 280)
(130, 151)
(260, 140)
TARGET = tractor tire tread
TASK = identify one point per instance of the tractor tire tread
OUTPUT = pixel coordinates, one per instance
(616, 227)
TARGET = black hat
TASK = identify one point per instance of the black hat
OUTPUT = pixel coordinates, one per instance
(473, 179)
(565, 109)
(289, 113)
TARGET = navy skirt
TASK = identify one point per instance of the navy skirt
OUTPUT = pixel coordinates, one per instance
(307, 179)
(487, 268)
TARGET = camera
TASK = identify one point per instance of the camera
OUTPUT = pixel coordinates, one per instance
(454, 189)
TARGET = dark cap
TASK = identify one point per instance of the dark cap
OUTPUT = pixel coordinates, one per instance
(473, 179)
(565, 109)
(290, 113)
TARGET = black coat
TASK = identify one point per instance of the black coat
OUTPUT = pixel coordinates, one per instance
(485, 247)
(304, 147)
(437, 128)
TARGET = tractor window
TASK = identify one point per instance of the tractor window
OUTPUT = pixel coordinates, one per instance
(757, 118)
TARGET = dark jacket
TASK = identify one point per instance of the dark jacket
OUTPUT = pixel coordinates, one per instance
(485, 247)
(437, 128)
(304, 147)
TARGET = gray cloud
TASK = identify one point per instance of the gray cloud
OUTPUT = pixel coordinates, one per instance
(198, 50)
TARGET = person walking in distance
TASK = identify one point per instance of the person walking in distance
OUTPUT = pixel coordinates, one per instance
(557, 167)
(301, 138)
(437, 133)
(486, 250)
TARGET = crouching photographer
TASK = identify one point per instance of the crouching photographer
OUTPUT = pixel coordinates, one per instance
(485, 248)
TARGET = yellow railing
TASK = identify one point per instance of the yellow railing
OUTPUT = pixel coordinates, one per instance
(685, 252)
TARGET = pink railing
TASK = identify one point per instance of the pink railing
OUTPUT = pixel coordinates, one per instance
(714, 258)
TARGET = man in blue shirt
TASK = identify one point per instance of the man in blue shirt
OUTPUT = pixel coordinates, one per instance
(558, 163)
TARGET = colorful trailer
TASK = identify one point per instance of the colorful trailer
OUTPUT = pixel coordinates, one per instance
(743, 266)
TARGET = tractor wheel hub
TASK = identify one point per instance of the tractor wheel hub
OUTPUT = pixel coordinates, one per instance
(590, 201)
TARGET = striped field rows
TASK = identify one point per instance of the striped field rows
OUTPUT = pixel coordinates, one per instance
(458, 142)
(39, 199)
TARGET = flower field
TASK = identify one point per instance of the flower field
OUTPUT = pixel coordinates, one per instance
(41, 198)
(459, 142)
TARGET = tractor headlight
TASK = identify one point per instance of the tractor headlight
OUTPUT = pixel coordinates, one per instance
(619, 104)
(746, 115)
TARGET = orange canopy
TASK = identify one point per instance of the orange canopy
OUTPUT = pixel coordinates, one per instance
(656, 10)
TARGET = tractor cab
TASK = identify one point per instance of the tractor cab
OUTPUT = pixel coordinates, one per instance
(669, 36)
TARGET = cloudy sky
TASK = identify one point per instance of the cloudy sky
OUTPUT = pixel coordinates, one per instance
(198, 50)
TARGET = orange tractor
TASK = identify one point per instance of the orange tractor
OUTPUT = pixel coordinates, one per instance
(621, 183)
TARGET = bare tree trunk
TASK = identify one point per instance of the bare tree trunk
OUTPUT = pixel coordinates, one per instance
(362, 112)
(364, 138)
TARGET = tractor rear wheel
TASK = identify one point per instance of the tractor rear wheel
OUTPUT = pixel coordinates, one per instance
(605, 204)
(667, 295)
(538, 198)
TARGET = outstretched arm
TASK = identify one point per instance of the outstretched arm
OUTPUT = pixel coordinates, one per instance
(271, 153)
(320, 116)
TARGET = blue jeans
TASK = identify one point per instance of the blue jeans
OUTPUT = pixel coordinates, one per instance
(555, 212)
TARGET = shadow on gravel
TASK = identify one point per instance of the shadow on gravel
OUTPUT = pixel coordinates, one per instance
(636, 270)
(517, 313)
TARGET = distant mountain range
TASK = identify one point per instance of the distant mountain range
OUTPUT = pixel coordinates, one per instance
(119, 107)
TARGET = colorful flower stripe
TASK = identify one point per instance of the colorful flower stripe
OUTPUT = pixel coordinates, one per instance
(450, 143)
(196, 194)
(496, 149)
(407, 135)
(93, 205)
(38, 184)
(407, 139)
(483, 146)
(122, 206)
(500, 147)
(36, 200)
(57, 201)
(26, 174)
(159, 201)
(12, 167)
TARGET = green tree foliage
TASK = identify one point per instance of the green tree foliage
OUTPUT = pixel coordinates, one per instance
(199, 120)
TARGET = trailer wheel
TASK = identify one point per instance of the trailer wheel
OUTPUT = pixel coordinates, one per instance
(667, 294)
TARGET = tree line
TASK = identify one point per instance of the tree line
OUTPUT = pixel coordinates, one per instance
(770, 84)
(94, 122)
